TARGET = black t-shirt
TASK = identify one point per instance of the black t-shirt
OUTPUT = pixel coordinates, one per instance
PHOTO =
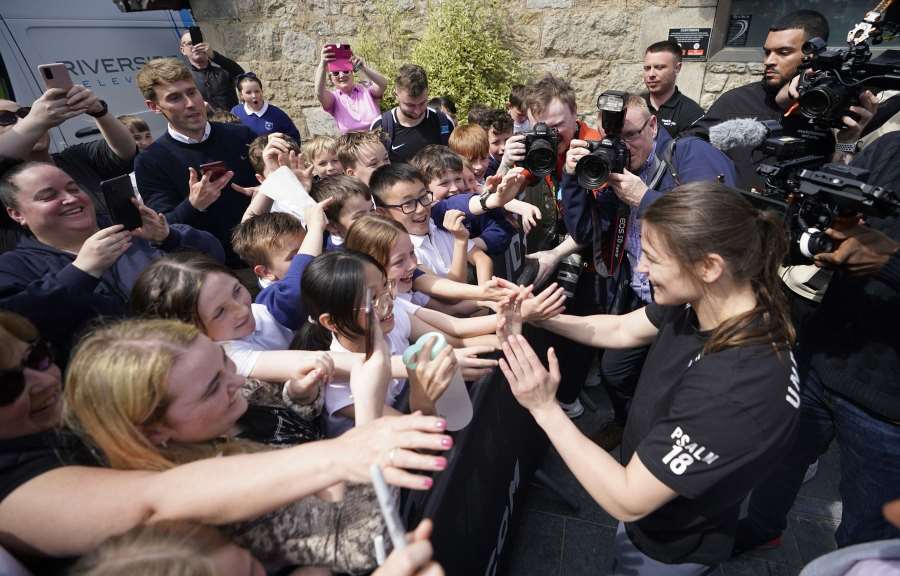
(677, 113)
(406, 141)
(89, 164)
(709, 427)
(749, 101)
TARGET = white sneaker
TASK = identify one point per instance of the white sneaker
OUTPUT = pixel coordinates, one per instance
(811, 472)
(574, 409)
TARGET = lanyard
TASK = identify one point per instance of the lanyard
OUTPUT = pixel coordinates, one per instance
(620, 233)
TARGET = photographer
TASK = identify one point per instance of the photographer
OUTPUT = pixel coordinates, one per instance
(610, 221)
(551, 101)
(760, 100)
(715, 404)
(849, 358)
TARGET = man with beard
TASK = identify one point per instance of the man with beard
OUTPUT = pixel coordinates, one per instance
(412, 125)
(783, 55)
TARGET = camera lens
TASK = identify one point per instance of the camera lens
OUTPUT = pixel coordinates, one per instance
(816, 102)
(593, 170)
(541, 158)
(813, 242)
(48, 73)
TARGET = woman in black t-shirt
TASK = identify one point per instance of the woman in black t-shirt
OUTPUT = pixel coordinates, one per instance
(716, 404)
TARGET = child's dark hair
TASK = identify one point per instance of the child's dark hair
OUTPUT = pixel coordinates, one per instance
(340, 187)
(386, 177)
(255, 150)
(333, 283)
(170, 287)
(517, 95)
(435, 160)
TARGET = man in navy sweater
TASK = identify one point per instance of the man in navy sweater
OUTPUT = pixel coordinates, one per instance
(168, 172)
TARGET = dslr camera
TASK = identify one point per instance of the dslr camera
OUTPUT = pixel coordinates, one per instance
(832, 80)
(541, 144)
(610, 154)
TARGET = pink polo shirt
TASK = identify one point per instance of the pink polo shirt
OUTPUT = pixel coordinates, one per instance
(356, 111)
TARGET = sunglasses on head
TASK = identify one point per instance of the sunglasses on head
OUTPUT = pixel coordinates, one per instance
(12, 380)
(8, 117)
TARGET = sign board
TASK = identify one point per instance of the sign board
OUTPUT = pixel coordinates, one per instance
(693, 41)
(738, 30)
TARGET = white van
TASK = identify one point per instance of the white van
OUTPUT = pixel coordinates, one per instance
(102, 47)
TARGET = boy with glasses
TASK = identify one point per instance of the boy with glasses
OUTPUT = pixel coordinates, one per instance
(400, 192)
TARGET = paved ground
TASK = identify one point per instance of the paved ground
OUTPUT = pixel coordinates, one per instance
(552, 539)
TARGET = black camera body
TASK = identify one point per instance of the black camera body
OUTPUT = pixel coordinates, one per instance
(839, 76)
(610, 154)
(541, 144)
(815, 198)
(607, 155)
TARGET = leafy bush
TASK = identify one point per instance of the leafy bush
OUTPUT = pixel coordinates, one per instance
(463, 52)
(462, 49)
(385, 44)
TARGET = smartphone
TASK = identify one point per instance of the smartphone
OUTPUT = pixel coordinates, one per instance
(118, 194)
(214, 169)
(196, 35)
(391, 515)
(55, 76)
(370, 324)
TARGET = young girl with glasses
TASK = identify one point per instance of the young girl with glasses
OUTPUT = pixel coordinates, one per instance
(334, 288)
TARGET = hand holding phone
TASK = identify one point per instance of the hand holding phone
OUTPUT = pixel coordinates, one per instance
(55, 76)
(196, 35)
(388, 509)
(119, 196)
(215, 169)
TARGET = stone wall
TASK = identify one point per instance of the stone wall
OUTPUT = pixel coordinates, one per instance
(596, 44)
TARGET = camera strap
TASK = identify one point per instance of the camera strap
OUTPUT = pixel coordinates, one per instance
(623, 212)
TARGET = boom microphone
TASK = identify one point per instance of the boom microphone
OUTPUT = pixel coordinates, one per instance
(740, 132)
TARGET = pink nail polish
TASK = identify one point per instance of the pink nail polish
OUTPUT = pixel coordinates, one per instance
(440, 424)
(447, 442)
(427, 482)
(440, 463)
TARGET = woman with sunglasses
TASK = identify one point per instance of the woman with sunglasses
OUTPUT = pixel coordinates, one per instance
(257, 114)
(56, 502)
(354, 106)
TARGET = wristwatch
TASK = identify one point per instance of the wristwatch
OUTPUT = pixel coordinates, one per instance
(847, 148)
(102, 112)
(483, 198)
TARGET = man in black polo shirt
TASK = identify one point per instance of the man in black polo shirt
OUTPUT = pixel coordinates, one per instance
(412, 125)
(673, 110)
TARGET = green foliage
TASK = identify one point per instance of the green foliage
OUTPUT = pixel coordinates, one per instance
(385, 44)
(463, 52)
(462, 49)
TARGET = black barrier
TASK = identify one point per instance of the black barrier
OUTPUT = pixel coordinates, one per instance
(475, 503)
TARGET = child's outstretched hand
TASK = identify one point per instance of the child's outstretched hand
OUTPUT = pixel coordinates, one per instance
(430, 379)
(315, 217)
(454, 222)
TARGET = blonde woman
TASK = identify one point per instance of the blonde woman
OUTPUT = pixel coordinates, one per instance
(56, 503)
(151, 394)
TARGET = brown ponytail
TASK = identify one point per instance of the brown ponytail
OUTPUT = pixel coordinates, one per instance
(703, 218)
